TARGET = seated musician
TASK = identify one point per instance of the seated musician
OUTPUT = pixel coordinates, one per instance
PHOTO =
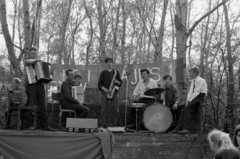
(143, 85)
(171, 98)
(196, 94)
(66, 99)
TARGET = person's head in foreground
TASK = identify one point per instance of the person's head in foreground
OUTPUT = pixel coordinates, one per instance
(236, 137)
(227, 154)
(16, 83)
(219, 140)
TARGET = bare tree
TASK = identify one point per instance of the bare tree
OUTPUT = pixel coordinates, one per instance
(230, 89)
(12, 57)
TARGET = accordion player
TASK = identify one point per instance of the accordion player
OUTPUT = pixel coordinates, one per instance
(78, 92)
(39, 71)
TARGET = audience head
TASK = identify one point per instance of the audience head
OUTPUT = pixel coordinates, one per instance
(145, 73)
(16, 83)
(167, 80)
(230, 153)
(236, 136)
(193, 72)
(70, 75)
(219, 140)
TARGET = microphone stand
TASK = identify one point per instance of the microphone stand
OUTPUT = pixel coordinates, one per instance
(127, 99)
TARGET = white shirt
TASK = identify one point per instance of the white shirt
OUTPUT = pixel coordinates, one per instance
(141, 88)
(200, 87)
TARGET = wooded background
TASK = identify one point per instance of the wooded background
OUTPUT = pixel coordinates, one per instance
(72, 32)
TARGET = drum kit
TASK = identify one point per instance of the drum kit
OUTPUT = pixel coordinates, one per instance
(156, 117)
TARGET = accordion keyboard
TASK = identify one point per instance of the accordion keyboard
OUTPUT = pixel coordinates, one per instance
(31, 74)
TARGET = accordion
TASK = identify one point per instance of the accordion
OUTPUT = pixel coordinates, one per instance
(39, 71)
(78, 92)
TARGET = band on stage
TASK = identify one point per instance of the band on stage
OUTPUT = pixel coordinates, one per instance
(154, 107)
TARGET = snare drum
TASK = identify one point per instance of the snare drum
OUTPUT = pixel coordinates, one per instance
(157, 118)
(138, 105)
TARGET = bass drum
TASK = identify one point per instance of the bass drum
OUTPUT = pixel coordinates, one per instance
(157, 118)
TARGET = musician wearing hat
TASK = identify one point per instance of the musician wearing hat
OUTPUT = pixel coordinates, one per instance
(109, 83)
(197, 92)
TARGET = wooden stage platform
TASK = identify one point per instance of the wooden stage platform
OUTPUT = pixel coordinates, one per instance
(145, 145)
(157, 146)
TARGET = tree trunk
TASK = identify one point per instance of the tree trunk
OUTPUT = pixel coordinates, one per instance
(158, 45)
(64, 52)
(36, 25)
(203, 48)
(115, 33)
(181, 39)
(12, 57)
(230, 89)
(102, 31)
(26, 26)
(123, 32)
(91, 34)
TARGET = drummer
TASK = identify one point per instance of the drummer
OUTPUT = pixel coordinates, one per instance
(143, 85)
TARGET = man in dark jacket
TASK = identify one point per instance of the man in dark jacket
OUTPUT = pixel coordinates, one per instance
(66, 99)
(104, 82)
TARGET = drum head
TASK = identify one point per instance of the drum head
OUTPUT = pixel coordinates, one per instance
(157, 118)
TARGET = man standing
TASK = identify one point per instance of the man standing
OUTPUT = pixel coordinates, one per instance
(36, 92)
(171, 98)
(66, 99)
(109, 78)
(197, 92)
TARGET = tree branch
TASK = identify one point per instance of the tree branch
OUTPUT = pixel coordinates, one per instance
(204, 16)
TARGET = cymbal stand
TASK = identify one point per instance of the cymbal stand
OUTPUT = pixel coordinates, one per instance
(127, 99)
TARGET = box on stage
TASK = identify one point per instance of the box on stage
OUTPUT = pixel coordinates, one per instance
(79, 130)
(81, 125)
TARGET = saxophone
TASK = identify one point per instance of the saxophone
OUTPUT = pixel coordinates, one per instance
(113, 87)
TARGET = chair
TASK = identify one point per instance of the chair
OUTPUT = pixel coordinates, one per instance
(56, 97)
(15, 102)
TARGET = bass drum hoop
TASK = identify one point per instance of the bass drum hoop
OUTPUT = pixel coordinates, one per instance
(157, 118)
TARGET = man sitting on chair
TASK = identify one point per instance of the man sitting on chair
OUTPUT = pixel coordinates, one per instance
(143, 85)
(66, 99)
(197, 92)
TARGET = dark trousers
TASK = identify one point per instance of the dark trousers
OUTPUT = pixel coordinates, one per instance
(184, 122)
(176, 115)
(106, 104)
(36, 96)
(81, 111)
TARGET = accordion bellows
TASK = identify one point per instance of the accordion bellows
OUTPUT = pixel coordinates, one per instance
(39, 71)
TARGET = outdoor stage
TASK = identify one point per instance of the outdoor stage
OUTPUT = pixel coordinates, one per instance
(28, 144)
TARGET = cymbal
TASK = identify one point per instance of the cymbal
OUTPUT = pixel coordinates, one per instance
(153, 92)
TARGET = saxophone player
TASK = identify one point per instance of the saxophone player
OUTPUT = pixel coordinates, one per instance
(108, 83)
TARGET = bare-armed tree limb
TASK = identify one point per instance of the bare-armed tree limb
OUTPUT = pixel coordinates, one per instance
(204, 16)
(145, 25)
